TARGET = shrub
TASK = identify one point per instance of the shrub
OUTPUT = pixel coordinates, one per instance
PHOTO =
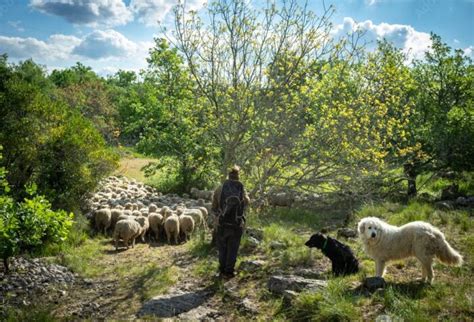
(30, 225)
(46, 142)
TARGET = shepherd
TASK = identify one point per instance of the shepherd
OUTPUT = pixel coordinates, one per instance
(228, 204)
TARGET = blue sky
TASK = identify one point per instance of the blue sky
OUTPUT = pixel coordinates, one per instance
(116, 34)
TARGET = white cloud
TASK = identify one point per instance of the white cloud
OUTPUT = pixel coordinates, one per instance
(469, 51)
(150, 12)
(105, 51)
(56, 47)
(413, 42)
(87, 12)
(104, 44)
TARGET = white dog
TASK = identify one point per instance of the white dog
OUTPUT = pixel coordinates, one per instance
(384, 242)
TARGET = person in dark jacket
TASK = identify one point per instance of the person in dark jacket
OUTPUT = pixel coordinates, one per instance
(228, 204)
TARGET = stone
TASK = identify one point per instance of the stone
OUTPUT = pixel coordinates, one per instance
(255, 233)
(451, 192)
(278, 284)
(288, 297)
(247, 306)
(308, 273)
(374, 283)
(174, 304)
(251, 265)
(253, 242)
(198, 314)
(445, 205)
(347, 233)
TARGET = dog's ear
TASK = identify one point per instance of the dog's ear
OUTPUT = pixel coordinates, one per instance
(361, 227)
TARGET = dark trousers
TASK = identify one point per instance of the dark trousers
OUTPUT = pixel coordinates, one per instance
(228, 242)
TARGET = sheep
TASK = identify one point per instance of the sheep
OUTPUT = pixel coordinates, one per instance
(127, 230)
(152, 208)
(164, 210)
(196, 214)
(129, 206)
(115, 214)
(143, 221)
(201, 194)
(186, 226)
(207, 205)
(125, 217)
(155, 221)
(172, 228)
(204, 212)
(167, 213)
(102, 219)
(136, 213)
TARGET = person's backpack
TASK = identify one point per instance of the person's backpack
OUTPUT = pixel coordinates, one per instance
(231, 202)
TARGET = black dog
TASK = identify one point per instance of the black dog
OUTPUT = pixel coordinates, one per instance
(341, 256)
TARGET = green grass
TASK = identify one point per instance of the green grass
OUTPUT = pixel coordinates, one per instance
(35, 313)
(336, 303)
(144, 272)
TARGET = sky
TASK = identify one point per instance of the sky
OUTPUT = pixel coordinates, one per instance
(109, 35)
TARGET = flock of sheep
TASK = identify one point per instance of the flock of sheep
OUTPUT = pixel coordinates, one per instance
(129, 209)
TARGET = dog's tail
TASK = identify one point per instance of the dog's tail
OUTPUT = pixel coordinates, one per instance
(445, 252)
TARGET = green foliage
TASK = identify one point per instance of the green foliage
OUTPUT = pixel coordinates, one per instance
(45, 141)
(31, 225)
(444, 120)
(173, 129)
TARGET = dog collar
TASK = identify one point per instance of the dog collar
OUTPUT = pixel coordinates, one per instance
(325, 243)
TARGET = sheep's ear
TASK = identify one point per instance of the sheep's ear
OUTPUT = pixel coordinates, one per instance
(361, 227)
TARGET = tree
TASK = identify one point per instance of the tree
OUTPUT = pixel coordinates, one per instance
(251, 64)
(171, 119)
(444, 123)
(46, 142)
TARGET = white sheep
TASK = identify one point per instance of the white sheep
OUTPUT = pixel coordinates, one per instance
(152, 208)
(186, 226)
(115, 214)
(102, 219)
(196, 214)
(143, 221)
(172, 227)
(126, 230)
(155, 221)
(125, 217)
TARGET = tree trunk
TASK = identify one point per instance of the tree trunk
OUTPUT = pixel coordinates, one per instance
(5, 264)
(411, 175)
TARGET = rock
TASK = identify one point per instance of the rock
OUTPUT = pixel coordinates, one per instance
(247, 306)
(308, 273)
(279, 284)
(253, 242)
(451, 192)
(277, 245)
(461, 201)
(251, 265)
(347, 233)
(255, 233)
(445, 205)
(374, 283)
(288, 297)
(174, 304)
(198, 314)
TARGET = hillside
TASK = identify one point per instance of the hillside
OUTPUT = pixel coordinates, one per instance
(158, 280)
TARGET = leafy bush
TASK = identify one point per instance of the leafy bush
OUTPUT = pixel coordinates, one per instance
(47, 142)
(30, 225)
